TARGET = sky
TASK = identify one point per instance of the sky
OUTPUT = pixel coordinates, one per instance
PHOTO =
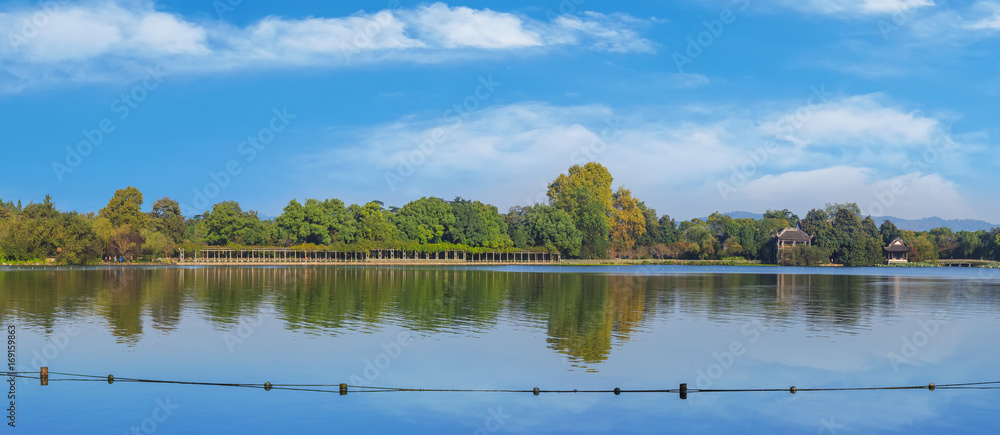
(694, 105)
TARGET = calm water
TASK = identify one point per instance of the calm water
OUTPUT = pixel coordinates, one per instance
(511, 327)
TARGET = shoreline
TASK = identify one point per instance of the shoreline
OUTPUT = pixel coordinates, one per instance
(391, 263)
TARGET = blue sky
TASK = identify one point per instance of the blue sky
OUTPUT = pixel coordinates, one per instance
(696, 106)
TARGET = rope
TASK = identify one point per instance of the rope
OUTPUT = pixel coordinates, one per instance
(344, 388)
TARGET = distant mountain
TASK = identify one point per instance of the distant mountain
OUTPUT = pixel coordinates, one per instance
(739, 215)
(744, 215)
(925, 224)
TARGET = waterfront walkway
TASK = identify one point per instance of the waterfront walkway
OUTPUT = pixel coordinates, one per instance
(283, 256)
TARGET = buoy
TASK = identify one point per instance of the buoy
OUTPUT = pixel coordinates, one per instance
(618, 391)
(792, 390)
(535, 391)
(111, 379)
(931, 386)
(684, 391)
(43, 376)
(267, 386)
(343, 389)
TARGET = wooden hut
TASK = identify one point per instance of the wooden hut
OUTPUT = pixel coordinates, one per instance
(897, 251)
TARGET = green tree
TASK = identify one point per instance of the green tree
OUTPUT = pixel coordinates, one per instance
(805, 255)
(889, 232)
(653, 234)
(701, 238)
(945, 241)
(593, 177)
(166, 218)
(869, 228)
(156, 244)
(990, 242)
(817, 224)
(372, 223)
(753, 236)
(833, 207)
(124, 209)
(31, 234)
(858, 242)
(553, 228)
(317, 222)
(668, 230)
(425, 220)
(77, 240)
(125, 243)
(478, 224)
(590, 216)
(227, 223)
(515, 226)
(922, 248)
(790, 218)
(970, 244)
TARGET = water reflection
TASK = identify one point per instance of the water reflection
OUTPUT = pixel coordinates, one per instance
(585, 315)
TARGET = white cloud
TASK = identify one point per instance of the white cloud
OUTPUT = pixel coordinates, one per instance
(688, 80)
(671, 157)
(905, 195)
(465, 27)
(854, 7)
(892, 6)
(864, 120)
(314, 40)
(105, 40)
(989, 10)
(992, 23)
(62, 33)
(599, 32)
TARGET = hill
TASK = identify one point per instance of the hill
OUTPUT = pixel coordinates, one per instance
(925, 224)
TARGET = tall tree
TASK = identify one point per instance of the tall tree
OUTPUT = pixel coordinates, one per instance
(790, 218)
(859, 243)
(628, 220)
(833, 207)
(653, 234)
(425, 220)
(592, 176)
(590, 216)
(373, 223)
(515, 225)
(945, 241)
(889, 232)
(478, 224)
(227, 223)
(668, 230)
(166, 219)
(124, 209)
(553, 228)
(817, 224)
(970, 244)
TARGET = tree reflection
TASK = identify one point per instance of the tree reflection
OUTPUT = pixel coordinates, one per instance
(585, 315)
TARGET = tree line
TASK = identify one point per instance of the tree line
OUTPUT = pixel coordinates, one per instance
(584, 218)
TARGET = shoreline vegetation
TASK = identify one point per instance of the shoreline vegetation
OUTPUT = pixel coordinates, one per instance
(431, 262)
(585, 221)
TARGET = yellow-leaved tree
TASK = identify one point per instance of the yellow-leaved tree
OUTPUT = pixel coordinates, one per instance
(628, 221)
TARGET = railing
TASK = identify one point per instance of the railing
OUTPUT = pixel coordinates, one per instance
(376, 256)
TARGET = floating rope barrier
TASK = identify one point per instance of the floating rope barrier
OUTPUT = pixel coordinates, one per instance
(44, 375)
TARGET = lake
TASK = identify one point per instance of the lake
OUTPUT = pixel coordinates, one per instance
(511, 327)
